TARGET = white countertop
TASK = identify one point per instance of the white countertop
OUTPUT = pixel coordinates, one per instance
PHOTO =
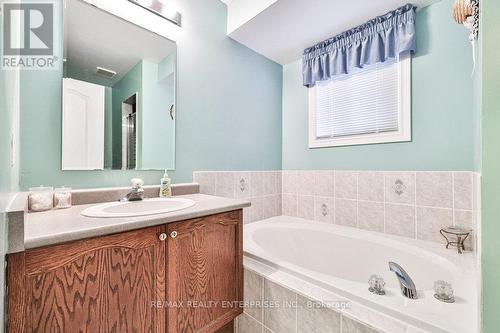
(59, 226)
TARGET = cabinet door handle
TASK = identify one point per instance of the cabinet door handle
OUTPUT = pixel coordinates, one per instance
(222, 223)
(173, 234)
(162, 236)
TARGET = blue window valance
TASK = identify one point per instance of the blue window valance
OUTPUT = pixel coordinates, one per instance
(376, 41)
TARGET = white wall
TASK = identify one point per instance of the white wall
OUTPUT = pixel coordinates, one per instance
(241, 11)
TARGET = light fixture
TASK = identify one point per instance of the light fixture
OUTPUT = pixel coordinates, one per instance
(159, 8)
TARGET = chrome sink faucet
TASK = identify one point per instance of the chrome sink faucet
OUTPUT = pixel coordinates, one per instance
(137, 192)
(406, 284)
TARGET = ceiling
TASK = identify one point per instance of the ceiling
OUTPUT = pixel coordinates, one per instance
(96, 38)
(287, 27)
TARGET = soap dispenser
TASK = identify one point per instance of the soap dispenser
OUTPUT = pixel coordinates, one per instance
(165, 186)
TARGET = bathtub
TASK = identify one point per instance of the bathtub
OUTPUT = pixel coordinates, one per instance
(341, 260)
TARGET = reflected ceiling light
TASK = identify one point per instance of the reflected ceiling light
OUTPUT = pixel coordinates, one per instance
(159, 8)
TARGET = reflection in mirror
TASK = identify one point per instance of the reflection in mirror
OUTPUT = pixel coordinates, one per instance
(118, 93)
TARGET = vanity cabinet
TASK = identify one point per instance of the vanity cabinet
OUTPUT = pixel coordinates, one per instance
(205, 259)
(146, 280)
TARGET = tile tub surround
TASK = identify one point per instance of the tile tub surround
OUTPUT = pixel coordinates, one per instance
(261, 188)
(403, 203)
(287, 311)
(276, 302)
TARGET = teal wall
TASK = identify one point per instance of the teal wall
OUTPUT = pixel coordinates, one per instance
(154, 85)
(228, 110)
(166, 67)
(157, 128)
(129, 85)
(491, 164)
(442, 118)
(108, 128)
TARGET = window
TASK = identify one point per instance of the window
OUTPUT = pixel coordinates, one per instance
(371, 105)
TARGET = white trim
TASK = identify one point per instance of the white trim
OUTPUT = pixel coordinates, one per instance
(404, 133)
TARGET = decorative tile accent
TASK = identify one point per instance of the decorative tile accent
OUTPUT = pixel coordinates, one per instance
(434, 189)
(371, 186)
(371, 216)
(346, 212)
(346, 185)
(324, 209)
(400, 187)
(261, 188)
(243, 187)
(430, 221)
(400, 220)
(306, 207)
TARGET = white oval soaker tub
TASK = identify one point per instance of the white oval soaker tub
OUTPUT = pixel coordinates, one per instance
(342, 259)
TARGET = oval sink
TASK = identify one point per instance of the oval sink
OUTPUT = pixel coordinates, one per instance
(138, 208)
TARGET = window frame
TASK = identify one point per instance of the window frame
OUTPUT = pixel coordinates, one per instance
(404, 125)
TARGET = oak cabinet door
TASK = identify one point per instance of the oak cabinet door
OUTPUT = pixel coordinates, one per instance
(205, 273)
(113, 283)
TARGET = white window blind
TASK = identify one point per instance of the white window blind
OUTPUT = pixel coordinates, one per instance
(365, 102)
(368, 106)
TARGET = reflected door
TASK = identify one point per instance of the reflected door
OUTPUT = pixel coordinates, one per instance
(83, 126)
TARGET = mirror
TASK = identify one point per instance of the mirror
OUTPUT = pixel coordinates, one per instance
(118, 93)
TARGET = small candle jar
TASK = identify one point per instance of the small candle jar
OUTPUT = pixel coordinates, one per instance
(62, 198)
(40, 199)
